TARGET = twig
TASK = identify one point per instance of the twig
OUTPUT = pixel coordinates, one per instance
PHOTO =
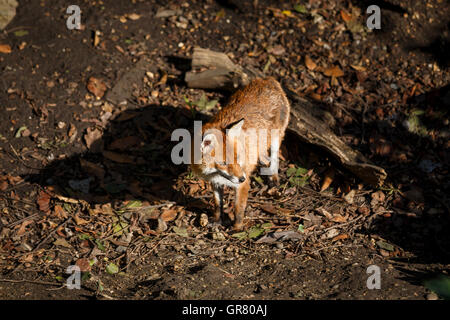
(336, 246)
(23, 219)
(343, 224)
(50, 235)
(32, 281)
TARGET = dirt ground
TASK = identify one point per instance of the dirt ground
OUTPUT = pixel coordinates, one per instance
(86, 177)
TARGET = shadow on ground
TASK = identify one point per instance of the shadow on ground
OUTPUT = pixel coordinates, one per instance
(420, 217)
(132, 158)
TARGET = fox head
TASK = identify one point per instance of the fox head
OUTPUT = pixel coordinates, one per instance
(221, 161)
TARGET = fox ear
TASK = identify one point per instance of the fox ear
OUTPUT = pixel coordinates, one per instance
(235, 129)
(209, 142)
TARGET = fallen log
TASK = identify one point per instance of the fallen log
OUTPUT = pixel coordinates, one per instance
(215, 70)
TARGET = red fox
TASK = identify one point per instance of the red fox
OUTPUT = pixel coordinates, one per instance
(226, 145)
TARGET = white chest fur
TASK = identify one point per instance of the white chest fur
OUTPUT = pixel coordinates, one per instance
(222, 181)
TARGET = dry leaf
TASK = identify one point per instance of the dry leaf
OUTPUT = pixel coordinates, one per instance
(328, 179)
(92, 168)
(3, 185)
(311, 65)
(69, 200)
(345, 16)
(72, 134)
(350, 196)
(59, 211)
(96, 38)
(269, 209)
(80, 221)
(118, 157)
(5, 48)
(97, 87)
(62, 242)
(203, 220)
(83, 264)
(194, 188)
(93, 140)
(44, 201)
(358, 68)
(340, 237)
(124, 143)
(334, 71)
(169, 215)
(133, 16)
(23, 226)
(338, 218)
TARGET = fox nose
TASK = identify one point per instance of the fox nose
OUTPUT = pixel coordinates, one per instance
(241, 179)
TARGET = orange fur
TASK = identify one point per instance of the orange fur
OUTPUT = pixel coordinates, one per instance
(261, 105)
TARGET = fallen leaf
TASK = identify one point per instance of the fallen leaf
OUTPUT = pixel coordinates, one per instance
(19, 132)
(203, 220)
(333, 71)
(358, 68)
(44, 201)
(328, 179)
(96, 39)
(277, 50)
(93, 140)
(311, 65)
(112, 268)
(124, 143)
(80, 221)
(97, 87)
(180, 231)
(62, 242)
(83, 264)
(269, 209)
(5, 48)
(345, 16)
(350, 196)
(92, 169)
(133, 16)
(59, 211)
(20, 33)
(3, 185)
(169, 215)
(134, 204)
(162, 226)
(118, 157)
(338, 218)
(300, 8)
(332, 233)
(72, 134)
(340, 237)
(280, 236)
(22, 228)
(385, 245)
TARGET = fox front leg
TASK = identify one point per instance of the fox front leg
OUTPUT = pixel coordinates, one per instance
(241, 204)
(218, 200)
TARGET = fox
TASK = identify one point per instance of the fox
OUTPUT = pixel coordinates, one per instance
(261, 106)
